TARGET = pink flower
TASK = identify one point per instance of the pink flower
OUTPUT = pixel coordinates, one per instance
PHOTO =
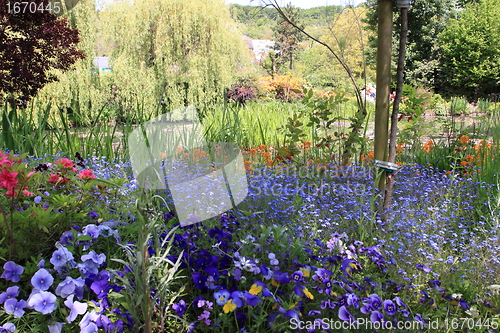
(66, 163)
(86, 175)
(11, 193)
(26, 192)
(4, 161)
(8, 179)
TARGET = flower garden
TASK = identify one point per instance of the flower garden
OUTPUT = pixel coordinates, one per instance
(85, 249)
(313, 236)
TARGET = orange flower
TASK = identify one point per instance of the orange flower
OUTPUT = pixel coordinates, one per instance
(253, 151)
(464, 163)
(469, 158)
(428, 146)
(400, 147)
(262, 147)
(179, 150)
(464, 139)
(307, 144)
(266, 155)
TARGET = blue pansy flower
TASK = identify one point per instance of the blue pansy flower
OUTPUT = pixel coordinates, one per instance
(91, 230)
(43, 302)
(66, 238)
(7, 327)
(71, 286)
(179, 308)
(376, 316)
(15, 307)
(88, 323)
(56, 327)
(76, 308)
(12, 292)
(12, 272)
(61, 256)
(42, 280)
(221, 297)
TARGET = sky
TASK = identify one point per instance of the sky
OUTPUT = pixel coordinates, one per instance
(305, 4)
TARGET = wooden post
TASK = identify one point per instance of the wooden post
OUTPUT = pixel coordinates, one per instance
(383, 82)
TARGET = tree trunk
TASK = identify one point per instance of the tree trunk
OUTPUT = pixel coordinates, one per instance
(394, 117)
(383, 82)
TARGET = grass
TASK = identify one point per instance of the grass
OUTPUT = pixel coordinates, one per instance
(48, 130)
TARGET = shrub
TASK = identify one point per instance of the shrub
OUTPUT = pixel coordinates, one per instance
(283, 86)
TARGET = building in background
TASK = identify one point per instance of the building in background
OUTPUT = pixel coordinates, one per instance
(259, 48)
(102, 64)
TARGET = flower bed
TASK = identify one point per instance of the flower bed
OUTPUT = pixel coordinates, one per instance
(304, 252)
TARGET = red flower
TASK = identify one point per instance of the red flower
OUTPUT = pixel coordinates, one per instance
(86, 175)
(8, 179)
(56, 179)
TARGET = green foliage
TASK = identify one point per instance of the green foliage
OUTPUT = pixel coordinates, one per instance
(148, 308)
(471, 50)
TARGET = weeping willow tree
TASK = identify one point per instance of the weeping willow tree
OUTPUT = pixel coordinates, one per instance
(172, 52)
(79, 91)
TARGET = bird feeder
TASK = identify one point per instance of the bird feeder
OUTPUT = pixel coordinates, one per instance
(403, 3)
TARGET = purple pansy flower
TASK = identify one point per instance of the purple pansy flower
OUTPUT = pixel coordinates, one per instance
(389, 307)
(344, 314)
(376, 317)
(179, 308)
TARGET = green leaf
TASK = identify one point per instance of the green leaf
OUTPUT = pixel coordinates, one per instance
(83, 238)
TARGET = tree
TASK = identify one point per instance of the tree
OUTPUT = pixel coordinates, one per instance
(426, 21)
(287, 37)
(348, 38)
(471, 50)
(31, 45)
(174, 51)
